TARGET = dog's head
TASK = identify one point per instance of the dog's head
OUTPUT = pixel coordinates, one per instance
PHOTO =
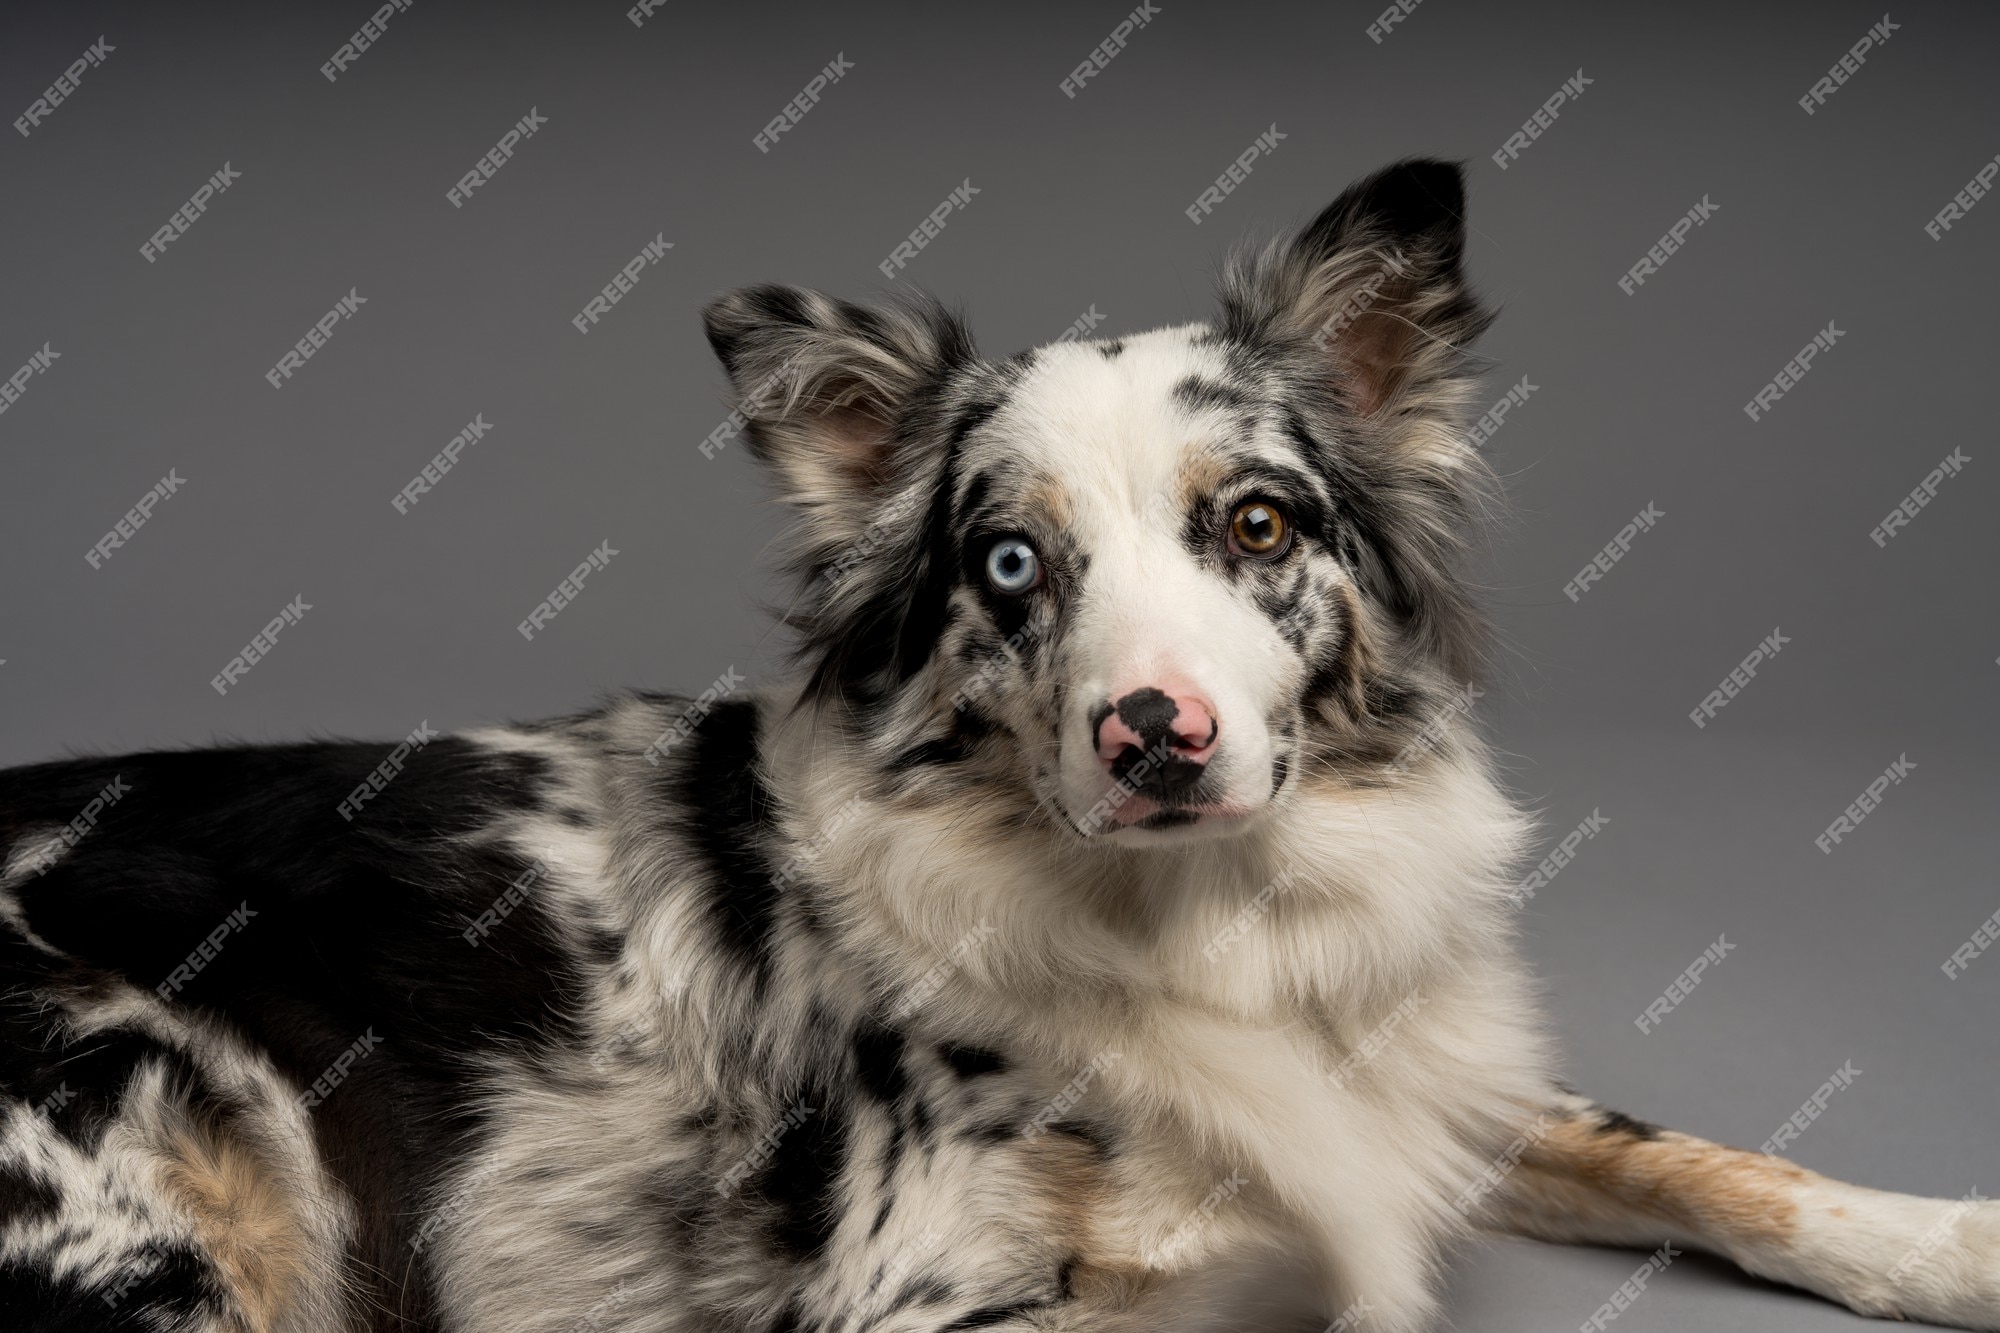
(1143, 588)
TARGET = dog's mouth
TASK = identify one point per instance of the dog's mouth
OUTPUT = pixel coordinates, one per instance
(1153, 815)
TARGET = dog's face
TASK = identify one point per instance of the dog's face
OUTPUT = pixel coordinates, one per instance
(1141, 588)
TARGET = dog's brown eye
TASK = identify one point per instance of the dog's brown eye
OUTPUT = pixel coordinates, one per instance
(1258, 530)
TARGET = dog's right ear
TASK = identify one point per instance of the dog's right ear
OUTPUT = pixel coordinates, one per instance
(1376, 284)
(825, 386)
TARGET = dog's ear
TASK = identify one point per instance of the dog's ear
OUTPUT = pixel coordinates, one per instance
(841, 402)
(1369, 305)
(823, 387)
(1374, 286)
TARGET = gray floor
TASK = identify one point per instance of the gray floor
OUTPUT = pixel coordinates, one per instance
(1836, 959)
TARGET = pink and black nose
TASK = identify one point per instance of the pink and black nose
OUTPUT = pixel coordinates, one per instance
(1172, 735)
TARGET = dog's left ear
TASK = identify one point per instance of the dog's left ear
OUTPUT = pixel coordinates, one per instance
(1370, 303)
(1374, 287)
(825, 386)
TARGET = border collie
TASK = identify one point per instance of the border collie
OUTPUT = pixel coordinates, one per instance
(1112, 929)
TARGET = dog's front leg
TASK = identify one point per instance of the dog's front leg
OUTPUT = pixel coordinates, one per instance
(1595, 1176)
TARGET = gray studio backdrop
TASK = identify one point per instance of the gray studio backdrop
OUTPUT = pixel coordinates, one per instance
(1801, 224)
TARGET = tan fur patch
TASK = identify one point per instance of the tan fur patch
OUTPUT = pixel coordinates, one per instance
(1713, 1190)
(1073, 1174)
(245, 1219)
(1047, 497)
(1203, 471)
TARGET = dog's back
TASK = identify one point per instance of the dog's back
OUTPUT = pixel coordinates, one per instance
(244, 1029)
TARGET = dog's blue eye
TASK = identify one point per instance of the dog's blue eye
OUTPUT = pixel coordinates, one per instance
(1012, 567)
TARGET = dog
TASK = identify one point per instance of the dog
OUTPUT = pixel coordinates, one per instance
(1110, 929)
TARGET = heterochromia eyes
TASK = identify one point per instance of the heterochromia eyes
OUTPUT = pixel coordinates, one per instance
(1012, 566)
(1258, 530)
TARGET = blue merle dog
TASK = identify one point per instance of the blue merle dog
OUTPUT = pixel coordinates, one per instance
(1109, 930)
